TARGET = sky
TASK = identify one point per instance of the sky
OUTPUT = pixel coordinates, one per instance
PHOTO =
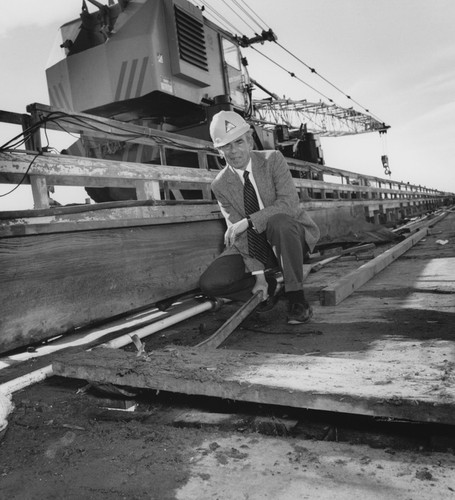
(393, 57)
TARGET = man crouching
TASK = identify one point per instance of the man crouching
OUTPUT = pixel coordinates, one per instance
(266, 227)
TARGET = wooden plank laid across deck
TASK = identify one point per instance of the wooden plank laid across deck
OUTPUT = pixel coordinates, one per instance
(425, 393)
(335, 293)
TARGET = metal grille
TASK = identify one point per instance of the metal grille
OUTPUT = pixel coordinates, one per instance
(191, 39)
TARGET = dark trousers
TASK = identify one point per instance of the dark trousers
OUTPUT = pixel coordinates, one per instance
(226, 275)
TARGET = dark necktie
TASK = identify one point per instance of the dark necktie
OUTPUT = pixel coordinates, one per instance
(257, 243)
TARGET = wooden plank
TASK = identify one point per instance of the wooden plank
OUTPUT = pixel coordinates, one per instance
(319, 265)
(337, 292)
(10, 117)
(353, 250)
(425, 393)
(70, 210)
(427, 221)
(53, 283)
(232, 323)
(80, 171)
(358, 249)
(108, 218)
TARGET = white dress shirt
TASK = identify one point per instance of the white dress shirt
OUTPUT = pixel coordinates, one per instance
(239, 172)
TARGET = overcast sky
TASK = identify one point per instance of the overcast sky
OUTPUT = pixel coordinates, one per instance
(394, 57)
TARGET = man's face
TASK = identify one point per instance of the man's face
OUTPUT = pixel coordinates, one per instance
(237, 153)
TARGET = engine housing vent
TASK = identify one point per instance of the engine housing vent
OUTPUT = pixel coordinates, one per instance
(190, 53)
(191, 39)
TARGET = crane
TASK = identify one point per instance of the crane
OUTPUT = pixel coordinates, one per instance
(325, 120)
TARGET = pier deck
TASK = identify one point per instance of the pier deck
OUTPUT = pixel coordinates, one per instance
(61, 437)
(387, 350)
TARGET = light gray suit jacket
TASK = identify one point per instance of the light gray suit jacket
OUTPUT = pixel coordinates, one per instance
(278, 193)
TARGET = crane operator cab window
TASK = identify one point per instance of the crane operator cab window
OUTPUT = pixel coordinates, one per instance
(236, 75)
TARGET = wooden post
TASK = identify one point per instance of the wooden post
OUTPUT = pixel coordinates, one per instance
(167, 191)
(39, 190)
(203, 163)
(202, 160)
(163, 155)
(148, 190)
(33, 142)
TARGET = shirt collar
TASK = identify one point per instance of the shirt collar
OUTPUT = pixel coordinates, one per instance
(240, 172)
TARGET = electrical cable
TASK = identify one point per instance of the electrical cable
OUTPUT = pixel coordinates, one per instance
(23, 177)
(20, 139)
(59, 118)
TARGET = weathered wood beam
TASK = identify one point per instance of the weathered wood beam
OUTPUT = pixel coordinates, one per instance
(65, 170)
(337, 292)
(321, 383)
(333, 294)
(11, 117)
(232, 323)
(76, 170)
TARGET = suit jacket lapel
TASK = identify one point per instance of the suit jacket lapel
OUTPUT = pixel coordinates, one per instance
(235, 187)
(257, 163)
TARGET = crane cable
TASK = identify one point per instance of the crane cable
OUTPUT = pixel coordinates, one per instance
(215, 12)
(385, 156)
(260, 23)
(292, 74)
(235, 12)
(313, 70)
(261, 26)
(219, 18)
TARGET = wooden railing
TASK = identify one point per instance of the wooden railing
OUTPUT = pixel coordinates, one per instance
(383, 199)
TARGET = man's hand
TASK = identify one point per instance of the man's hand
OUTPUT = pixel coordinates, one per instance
(261, 284)
(234, 231)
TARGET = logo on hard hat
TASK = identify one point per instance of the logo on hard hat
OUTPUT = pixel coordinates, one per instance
(229, 126)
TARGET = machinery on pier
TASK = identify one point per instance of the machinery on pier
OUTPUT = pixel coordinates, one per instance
(163, 64)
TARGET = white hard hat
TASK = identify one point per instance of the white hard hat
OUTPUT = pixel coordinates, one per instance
(227, 126)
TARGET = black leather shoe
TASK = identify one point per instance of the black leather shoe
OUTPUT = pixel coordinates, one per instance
(299, 313)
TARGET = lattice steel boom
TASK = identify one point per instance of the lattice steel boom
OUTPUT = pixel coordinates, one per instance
(319, 118)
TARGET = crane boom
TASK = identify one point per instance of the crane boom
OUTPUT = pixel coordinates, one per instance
(325, 120)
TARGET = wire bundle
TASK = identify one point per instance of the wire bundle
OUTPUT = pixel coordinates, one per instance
(87, 124)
